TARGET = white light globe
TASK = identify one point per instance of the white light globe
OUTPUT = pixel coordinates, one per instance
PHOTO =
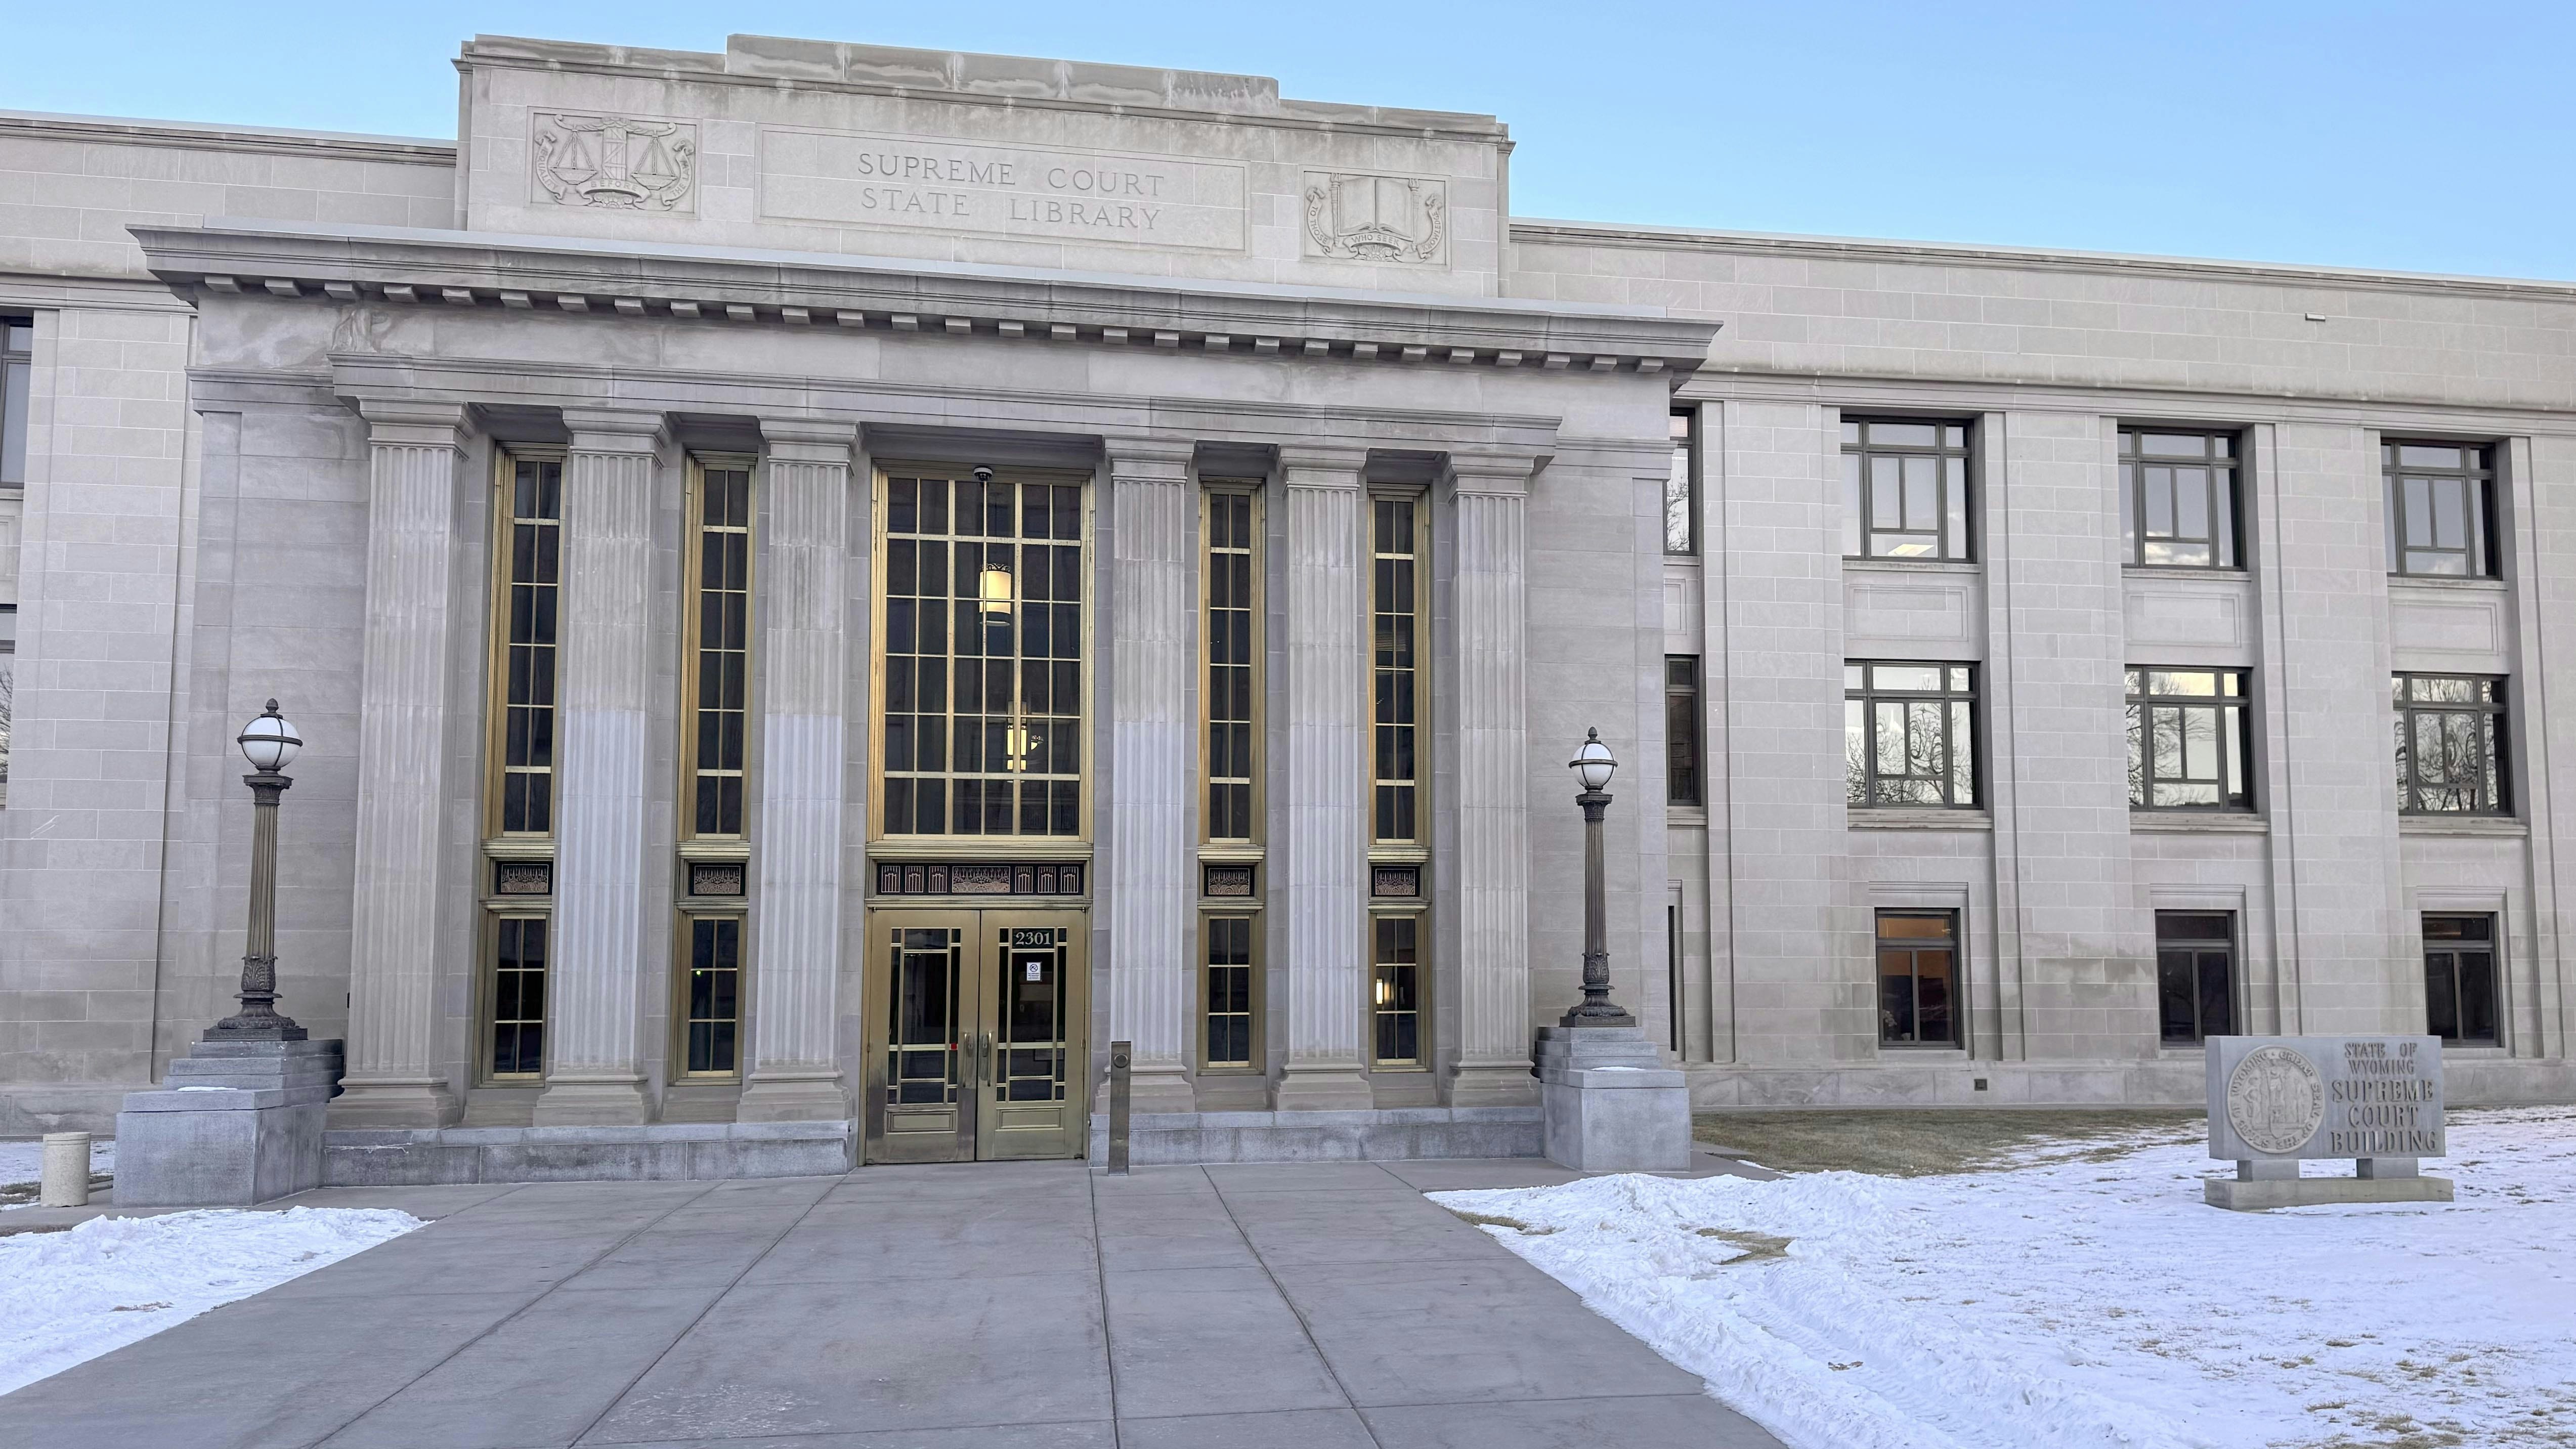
(269, 741)
(1592, 764)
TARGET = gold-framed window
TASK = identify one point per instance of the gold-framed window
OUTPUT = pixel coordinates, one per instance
(982, 631)
(1230, 1039)
(1231, 590)
(1396, 981)
(718, 656)
(1396, 552)
(711, 995)
(515, 1042)
(527, 588)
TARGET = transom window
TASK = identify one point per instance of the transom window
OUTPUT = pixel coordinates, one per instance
(1395, 612)
(2178, 498)
(2440, 505)
(2195, 975)
(2450, 744)
(982, 708)
(1233, 634)
(531, 533)
(2188, 740)
(2460, 979)
(720, 639)
(1909, 734)
(1918, 978)
(1681, 487)
(1905, 489)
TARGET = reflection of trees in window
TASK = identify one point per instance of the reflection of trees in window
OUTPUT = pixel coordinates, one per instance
(1905, 489)
(1909, 734)
(2178, 498)
(2188, 740)
(982, 705)
(2439, 502)
(2450, 744)
(1681, 487)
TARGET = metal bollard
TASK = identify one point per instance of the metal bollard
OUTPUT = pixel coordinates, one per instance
(65, 1181)
(1120, 1055)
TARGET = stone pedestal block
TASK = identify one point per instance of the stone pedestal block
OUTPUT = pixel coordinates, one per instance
(236, 1123)
(2252, 1194)
(1608, 1102)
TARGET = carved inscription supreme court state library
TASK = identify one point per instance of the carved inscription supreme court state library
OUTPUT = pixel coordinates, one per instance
(849, 178)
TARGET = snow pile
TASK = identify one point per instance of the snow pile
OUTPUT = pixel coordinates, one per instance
(68, 1297)
(2079, 1301)
(21, 1163)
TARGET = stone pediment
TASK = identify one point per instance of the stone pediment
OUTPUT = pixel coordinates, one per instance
(818, 146)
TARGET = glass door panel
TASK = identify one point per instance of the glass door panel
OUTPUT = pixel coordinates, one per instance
(917, 1076)
(976, 1043)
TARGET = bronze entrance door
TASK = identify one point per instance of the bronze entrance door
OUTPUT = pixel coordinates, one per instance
(976, 1047)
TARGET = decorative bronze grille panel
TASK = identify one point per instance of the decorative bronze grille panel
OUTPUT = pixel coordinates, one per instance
(978, 878)
(523, 877)
(1231, 882)
(1402, 882)
(715, 878)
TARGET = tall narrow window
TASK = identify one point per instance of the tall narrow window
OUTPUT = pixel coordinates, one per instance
(2188, 740)
(1681, 730)
(531, 527)
(17, 369)
(1909, 734)
(2439, 499)
(1918, 978)
(1681, 488)
(2450, 744)
(2195, 975)
(981, 703)
(1395, 992)
(1229, 991)
(1395, 613)
(2460, 979)
(1905, 489)
(1233, 631)
(720, 645)
(714, 1021)
(519, 998)
(2178, 498)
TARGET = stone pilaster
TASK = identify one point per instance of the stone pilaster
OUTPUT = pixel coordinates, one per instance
(612, 473)
(416, 466)
(1153, 752)
(1490, 494)
(1322, 875)
(804, 677)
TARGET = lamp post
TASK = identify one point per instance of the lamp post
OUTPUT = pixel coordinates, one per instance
(1592, 766)
(268, 742)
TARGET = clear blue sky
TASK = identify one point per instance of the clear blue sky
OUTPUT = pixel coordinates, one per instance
(2432, 137)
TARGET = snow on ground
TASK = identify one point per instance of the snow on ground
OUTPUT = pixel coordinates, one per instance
(2070, 1300)
(21, 1162)
(68, 1297)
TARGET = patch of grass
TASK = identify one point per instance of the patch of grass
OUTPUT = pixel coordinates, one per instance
(1756, 1246)
(1917, 1143)
(1489, 1220)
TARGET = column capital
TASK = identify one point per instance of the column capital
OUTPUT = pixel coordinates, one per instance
(1148, 458)
(809, 440)
(418, 424)
(1506, 474)
(1321, 465)
(606, 430)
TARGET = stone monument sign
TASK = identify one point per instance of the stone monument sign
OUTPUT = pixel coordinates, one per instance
(2275, 1102)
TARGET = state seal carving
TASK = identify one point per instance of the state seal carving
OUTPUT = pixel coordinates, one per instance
(2275, 1099)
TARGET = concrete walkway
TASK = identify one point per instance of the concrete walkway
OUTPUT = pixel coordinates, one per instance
(998, 1306)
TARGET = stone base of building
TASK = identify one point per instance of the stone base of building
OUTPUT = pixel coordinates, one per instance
(2256, 1194)
(666, 1152)
(2178, 1080)
(1385, 1134)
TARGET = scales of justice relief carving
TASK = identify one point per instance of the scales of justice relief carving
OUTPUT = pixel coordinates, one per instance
(1377, 218)
(620, 162)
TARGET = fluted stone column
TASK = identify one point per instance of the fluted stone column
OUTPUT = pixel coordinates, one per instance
(1322, 875)
(1490, 494)
(1153, 751)
(804, 677)
(415, 468)
(612, 474)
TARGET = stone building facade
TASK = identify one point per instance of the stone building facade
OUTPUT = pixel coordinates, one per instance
(823, 584)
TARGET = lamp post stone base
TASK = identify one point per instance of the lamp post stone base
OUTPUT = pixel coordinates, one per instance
(1609, 1104)
(236, 1123)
